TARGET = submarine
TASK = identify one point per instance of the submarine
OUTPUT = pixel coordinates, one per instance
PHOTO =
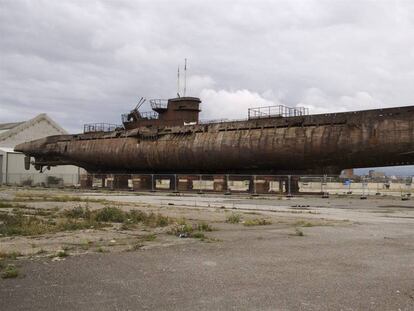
(271, 140)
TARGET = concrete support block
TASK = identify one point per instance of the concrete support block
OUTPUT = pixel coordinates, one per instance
(86, 181)
(186, 183)
(262, 186)
(117, 181)
(220, 184)
(141, 182)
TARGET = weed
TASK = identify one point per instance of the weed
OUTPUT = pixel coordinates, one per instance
(198, 235)
(5, 204)
(233, 218)
(72, 225)
(86, 245)
(150, 237)
(41, 251)
(257, 222)
(110, 214)
(137, 246)
(182, 229)
(302, 223)
(78, 212)
(298, 232)
(127, 226)
(11, 255)
(62, 253)
(10, 272)
(100, 249)
(202, 226)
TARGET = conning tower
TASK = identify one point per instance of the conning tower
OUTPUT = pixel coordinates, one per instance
(172, 112)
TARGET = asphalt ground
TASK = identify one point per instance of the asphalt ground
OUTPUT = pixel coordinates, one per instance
(359, 265)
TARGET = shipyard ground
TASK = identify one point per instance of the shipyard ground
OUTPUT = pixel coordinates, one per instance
(340, 253)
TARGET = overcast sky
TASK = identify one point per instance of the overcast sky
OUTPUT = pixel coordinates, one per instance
(89, 61)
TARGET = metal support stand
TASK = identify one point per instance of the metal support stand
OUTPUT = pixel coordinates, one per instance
(152, 183)
(254, 187)
(378, 192)
(228, 192)
(325, 194)
(364, 195)
(175, 184)
(199, 189)
(289, 194)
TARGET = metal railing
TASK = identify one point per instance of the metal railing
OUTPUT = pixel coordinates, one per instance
(149, 115)
(159, 103)
(276, 111)
(100, 127)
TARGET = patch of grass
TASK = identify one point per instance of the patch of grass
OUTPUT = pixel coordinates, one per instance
(10, 272)
(21, 222)
(11, 255)
(100, 249)
(233, 218)
(73, 225)
(62, 253)
(257, 222)
(5, 204)
(181, 229)
(302, 223)
(198, 235)
(151, 219)
(110, 214)
(78, 212)
(203, 226)
(86, 245)
(186, 230)
(38, 197)
(136, 247)
(127, 226)
(150, 237)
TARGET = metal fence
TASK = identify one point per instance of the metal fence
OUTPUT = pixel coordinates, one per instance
(40, 180)
(250, 184)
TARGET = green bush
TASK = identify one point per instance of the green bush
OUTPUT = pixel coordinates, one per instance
(233, 218)
(78, 212)
(110, 214)
(10, 272)
(257, 222)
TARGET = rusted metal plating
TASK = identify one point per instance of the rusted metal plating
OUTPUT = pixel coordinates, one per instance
(311, 144)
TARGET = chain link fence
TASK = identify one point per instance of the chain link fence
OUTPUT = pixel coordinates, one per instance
(232, 183)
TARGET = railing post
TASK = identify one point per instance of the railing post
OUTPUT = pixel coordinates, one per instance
(199, 185)
(152, 183)
(227, 185)
(289, 195)
(364, 184)
(325, 194)
(175, 183)
(254, 186)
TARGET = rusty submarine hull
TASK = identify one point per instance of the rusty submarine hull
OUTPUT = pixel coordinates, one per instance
(272, 140)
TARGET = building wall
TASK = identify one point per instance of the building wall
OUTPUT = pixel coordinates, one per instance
(1, 169)
(13, 166)
(40, 129)
(13, 163)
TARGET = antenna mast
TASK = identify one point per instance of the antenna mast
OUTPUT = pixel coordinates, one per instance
(178, 81)
(185, 75)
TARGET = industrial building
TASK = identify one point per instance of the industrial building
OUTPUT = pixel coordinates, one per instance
(12, 170)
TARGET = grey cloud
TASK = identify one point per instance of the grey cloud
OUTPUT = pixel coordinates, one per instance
(89, 61)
